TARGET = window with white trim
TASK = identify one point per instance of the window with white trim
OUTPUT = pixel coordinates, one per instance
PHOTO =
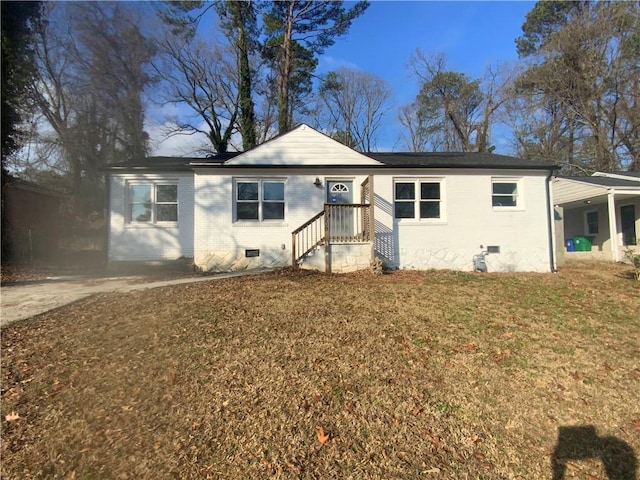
(152, 202)
(505, 193)
(417, 199)
(591, 223)
(259, 200)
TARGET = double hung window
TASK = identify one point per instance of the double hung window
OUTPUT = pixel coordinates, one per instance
(418, 199)
(259, 200)
(152, 202)
(505, 193)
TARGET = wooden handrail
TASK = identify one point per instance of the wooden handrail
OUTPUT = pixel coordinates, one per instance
(308, 222)
(336, 226)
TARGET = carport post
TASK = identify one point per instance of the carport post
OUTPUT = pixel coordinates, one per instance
(613, 231)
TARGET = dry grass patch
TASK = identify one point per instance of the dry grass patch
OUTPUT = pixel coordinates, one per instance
(302, 375)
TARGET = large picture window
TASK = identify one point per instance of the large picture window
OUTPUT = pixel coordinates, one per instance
(152, 202)
(418, 199)
(259, 200)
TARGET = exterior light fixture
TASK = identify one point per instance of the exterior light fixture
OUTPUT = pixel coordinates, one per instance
(317, 182)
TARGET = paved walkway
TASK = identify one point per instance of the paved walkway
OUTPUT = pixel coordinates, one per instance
(27, 299)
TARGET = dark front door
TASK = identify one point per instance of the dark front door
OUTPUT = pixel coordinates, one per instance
(341, 219)
(628, 224)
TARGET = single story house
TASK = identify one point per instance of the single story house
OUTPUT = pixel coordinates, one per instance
(602, 211)
(305, 199)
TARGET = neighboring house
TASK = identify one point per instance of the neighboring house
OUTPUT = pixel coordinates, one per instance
(30, 221)
(598, 208)
(303, 198)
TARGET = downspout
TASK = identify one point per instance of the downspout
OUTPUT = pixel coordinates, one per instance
(107, 217)
(550, 220)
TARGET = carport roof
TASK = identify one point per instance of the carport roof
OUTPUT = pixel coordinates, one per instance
(573, 191)
(609, 182)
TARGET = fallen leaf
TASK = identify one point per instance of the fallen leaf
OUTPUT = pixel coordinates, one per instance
(12, 417)
(573, 467)
(636, 423)
(416, 410)
(322, 437)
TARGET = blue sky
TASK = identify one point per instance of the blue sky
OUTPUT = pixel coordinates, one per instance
(472, 35)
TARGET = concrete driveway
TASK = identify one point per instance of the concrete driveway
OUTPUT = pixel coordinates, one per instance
(27, 299)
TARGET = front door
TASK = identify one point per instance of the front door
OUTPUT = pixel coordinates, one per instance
(341, 219)
(628, 224)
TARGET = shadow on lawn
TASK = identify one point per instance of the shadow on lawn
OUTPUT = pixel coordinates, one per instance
(581, 442)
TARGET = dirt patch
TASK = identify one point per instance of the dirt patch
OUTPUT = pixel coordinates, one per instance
(304, 375)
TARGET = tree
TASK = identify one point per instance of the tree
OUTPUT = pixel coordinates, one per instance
(583, 63)
(18, 21)
(421, 128)
(453, 111)
(204, 77)
(354, 104)
(91, 72)
(302, 28)
(239, 23)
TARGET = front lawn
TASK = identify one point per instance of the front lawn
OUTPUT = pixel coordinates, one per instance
(303, 375)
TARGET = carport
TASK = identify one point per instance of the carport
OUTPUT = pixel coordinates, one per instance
(604, 208)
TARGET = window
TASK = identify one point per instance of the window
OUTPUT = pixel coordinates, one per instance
(504, 193)
(152, 202)
(259, 200)
(417, 199)
(591, 223)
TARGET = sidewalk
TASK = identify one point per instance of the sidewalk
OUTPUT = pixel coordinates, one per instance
(27, 299)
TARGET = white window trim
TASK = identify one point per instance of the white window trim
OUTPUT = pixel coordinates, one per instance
(586, 222)
(154, 183)
(416, 220)
(519, 206)
(259, 220)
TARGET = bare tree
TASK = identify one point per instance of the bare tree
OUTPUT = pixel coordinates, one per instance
(204, 77)
(354, 104)
(422, 132)
(584, 61)
(88, 89)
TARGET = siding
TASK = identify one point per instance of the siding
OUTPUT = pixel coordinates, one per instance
(302, 146)
(144, 242)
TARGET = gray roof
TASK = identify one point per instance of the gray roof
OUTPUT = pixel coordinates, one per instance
(388, 159)
(455, 160)
(172, 163)
(606, 181)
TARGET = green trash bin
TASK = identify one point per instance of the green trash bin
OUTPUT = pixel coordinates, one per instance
(582, 243)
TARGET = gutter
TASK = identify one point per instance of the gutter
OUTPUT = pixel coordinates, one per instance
(550, 225)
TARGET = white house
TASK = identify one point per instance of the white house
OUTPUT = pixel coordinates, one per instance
(305, 199)
(599, 208)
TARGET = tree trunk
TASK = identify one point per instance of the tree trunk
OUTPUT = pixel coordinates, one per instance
(284, 117)
(247, 114)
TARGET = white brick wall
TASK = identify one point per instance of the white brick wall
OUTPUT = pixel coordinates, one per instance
(143, 242)
(471, 221)
(207, 230)
(220, 242)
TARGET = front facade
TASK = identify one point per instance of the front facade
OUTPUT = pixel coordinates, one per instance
(304, 199)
